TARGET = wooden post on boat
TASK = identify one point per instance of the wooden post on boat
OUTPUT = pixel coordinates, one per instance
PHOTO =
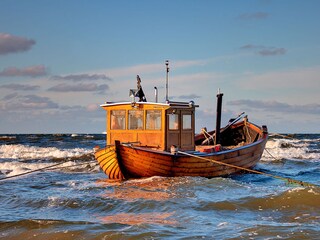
(218, 120)
(167, 66)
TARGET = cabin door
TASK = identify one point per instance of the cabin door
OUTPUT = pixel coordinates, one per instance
(180, 129)
(173, 128)
(187, 130)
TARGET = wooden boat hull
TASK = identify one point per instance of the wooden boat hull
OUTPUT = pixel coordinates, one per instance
(125, 161)
(146, 163)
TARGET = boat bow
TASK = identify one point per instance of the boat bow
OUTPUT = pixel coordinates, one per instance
(108, 161)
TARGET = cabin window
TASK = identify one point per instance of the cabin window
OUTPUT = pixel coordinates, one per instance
(135, 119)
(153, 120)
(118, 119)
(186, 121)
(173, 121)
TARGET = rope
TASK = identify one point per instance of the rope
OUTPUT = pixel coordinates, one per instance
(271, 155)
(32, 171)
(289, 180)
(51, 167)
(207, 136)
(92, 161)
(246, 128)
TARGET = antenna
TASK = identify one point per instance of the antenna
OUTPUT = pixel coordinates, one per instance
(167, 66)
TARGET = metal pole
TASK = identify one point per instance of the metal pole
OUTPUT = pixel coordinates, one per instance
(156, 94)
(167, 65)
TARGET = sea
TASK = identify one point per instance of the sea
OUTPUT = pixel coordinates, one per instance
(52, 188)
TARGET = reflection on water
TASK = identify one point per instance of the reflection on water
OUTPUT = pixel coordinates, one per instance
(141, 218)
(144, 192)
(156, 189)
(132, 195)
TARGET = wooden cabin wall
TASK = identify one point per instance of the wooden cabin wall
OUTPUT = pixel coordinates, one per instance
(152, 138)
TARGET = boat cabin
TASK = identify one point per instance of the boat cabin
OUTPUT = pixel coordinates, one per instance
(156, 125)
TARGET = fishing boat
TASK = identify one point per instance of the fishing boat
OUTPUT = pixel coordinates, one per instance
(146, 139)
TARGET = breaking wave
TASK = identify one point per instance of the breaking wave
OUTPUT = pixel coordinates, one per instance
(294, 149)
(17, 159)
(19, 151)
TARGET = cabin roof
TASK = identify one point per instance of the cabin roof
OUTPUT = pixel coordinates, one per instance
(168, 104)
(109, 104)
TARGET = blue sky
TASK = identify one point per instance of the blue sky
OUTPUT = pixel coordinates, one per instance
(59, 60)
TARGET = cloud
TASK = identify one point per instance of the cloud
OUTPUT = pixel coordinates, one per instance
(190, 63)
(304, 79)
(190, 96)
(33, 71)
(153, 68)
(265, 51)
(36, 114)
(272, 51)
(92, 107)
(16, 102)
(254, 16)
(82, 77)
(10, 96)
(20, 87)
(82, 87)
(274, 106)
(14, 44)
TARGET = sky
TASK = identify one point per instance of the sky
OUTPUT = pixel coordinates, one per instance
(59, 60)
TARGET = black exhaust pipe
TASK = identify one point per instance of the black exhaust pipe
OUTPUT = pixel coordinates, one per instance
(218, 120)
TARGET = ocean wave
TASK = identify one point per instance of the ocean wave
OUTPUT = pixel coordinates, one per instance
(46, 229)
(84, 136)
(290, 149)
(19, 159)
(7, 138)
(287, 143)
(293, 199)
(15, 168)
(19, 151)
